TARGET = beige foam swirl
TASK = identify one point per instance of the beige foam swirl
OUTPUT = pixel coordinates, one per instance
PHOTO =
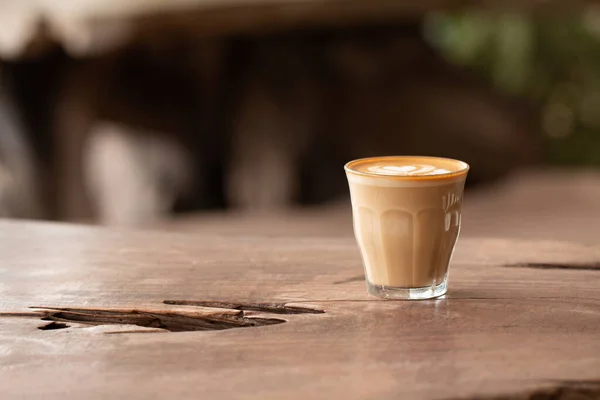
(407, 170)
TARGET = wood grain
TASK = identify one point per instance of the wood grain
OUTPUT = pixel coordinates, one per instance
(501, 331)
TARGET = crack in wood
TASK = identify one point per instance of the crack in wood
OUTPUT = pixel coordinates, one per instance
(53, 326)
(548, 265)
(571, 266)
(21, 314)
(562, 390)
(214, 315)
(357, 278)
(273, 308)
(171, 320)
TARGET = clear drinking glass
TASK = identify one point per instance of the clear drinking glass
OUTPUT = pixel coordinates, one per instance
(407, 216)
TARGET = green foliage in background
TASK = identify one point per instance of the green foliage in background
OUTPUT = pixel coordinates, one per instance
(555, 62)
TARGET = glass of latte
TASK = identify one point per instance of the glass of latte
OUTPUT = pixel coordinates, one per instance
(407, 215)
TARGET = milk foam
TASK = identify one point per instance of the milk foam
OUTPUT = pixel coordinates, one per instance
(407, 170)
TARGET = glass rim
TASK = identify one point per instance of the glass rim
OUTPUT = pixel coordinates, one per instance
(349, 168)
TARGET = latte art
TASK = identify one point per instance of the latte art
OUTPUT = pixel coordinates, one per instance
(407, 170)
(402, 169)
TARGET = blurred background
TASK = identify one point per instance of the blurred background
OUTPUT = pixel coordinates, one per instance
(237, 117)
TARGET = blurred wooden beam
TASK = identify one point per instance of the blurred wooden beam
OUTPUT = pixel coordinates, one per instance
(93, 26)
(136, 8)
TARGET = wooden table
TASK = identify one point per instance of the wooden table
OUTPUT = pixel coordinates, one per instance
(542, 203)
(148, 315)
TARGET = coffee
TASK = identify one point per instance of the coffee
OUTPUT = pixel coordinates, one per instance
(407, 213)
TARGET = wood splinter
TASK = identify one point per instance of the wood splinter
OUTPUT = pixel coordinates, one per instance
(274, 308)
(171, 320)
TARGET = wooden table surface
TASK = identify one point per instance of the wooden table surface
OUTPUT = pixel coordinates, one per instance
(83, 315)
(542, 203)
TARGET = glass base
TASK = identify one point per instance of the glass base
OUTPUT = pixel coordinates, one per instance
(399, 293)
